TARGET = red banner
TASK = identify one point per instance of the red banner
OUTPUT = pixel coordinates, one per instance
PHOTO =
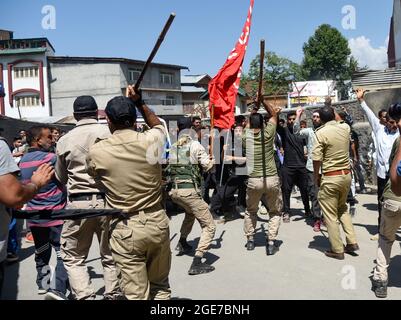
(223, 89)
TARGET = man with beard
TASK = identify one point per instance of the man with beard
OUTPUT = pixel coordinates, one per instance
(53, 196)
(294, 168)
(310, 135)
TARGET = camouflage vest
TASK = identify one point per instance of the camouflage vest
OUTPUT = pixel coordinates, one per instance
(180, 169)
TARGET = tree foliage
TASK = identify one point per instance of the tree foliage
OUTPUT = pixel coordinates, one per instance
(327, 56)
(278, 74)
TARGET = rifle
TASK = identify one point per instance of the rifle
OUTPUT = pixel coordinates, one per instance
(154, 51)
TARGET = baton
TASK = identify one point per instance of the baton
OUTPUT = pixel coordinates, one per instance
(155, 49)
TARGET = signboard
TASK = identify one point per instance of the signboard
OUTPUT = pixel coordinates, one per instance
(312, 92)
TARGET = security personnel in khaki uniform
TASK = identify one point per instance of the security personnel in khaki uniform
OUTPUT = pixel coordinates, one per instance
(77, 236)
(331, 155)
(128, 166)
(186, 157)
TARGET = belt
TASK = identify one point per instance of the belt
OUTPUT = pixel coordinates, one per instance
(337, 173)
(128, 214)
(86, 196)
(184, 186)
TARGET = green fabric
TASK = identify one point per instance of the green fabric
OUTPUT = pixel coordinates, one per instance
(254, 157)
(388, 194)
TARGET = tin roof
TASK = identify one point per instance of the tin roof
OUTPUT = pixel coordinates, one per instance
(376, 80)
(193, 79)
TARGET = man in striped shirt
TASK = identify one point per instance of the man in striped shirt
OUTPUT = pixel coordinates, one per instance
(53, 196)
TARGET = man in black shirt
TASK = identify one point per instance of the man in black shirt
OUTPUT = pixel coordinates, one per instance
(294, 168)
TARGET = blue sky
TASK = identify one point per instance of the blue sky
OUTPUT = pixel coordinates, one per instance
(203, 32)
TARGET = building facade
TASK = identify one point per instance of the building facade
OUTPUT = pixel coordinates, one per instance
(23, 73)
(105, 78)
(40, 85)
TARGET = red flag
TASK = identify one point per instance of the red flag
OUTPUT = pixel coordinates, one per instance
(223, 89)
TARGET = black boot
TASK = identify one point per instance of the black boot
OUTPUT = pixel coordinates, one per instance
(379, 288)
(183, 247)
(199, 267)
(271, 248)
(250, 245)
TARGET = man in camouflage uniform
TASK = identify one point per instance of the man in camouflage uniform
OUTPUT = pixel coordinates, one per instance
(187, 156)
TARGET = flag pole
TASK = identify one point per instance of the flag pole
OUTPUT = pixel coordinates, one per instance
(212, 131)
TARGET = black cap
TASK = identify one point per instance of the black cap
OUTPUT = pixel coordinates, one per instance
(184, 123)
(85, 104)
(121, 110)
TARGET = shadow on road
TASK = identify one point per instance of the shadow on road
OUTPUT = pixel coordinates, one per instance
(319, 243)
(371, 206)
(372, 229)
(10, 286)
(394, 275)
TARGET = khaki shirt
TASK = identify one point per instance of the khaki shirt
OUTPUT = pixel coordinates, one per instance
(72, 150)
(332, 146)
(388, 193)
(128, 166)
(200, 156)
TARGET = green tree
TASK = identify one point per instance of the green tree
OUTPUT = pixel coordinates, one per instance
(278, 74)
(327, 56)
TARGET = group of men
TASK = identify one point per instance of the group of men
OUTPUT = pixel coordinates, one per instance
(117, 167)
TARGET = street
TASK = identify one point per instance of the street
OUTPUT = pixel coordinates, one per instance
(299, 270)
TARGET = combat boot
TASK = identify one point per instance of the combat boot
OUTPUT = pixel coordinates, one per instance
(250, 245)
(199, 267)
(271, 248)
(183, 247)
(379, 288)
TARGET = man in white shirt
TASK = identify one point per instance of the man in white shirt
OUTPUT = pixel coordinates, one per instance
(385, 135)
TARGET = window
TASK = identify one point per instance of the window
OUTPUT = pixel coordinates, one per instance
(26, 72)
(166, 78)
(27, 101)
(133, 74)
(170, 101)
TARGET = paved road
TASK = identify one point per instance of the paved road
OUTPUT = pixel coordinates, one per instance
(298, 271)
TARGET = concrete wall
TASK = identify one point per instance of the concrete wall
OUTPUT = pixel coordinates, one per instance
(68, 81)
(383, 99)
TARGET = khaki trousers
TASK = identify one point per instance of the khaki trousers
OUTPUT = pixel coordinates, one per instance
(195, 208)
(389, 224)
(333, 194)
(76, 240)
(270, 192)
(141, 249)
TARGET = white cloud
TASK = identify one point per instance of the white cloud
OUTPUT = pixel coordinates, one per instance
(374, 58)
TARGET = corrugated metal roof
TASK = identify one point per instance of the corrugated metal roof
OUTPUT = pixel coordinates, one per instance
(192, 89)
(192, 79)
(241, 92)
(375, 80)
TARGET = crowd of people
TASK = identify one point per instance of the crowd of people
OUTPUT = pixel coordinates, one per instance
(252, 168)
